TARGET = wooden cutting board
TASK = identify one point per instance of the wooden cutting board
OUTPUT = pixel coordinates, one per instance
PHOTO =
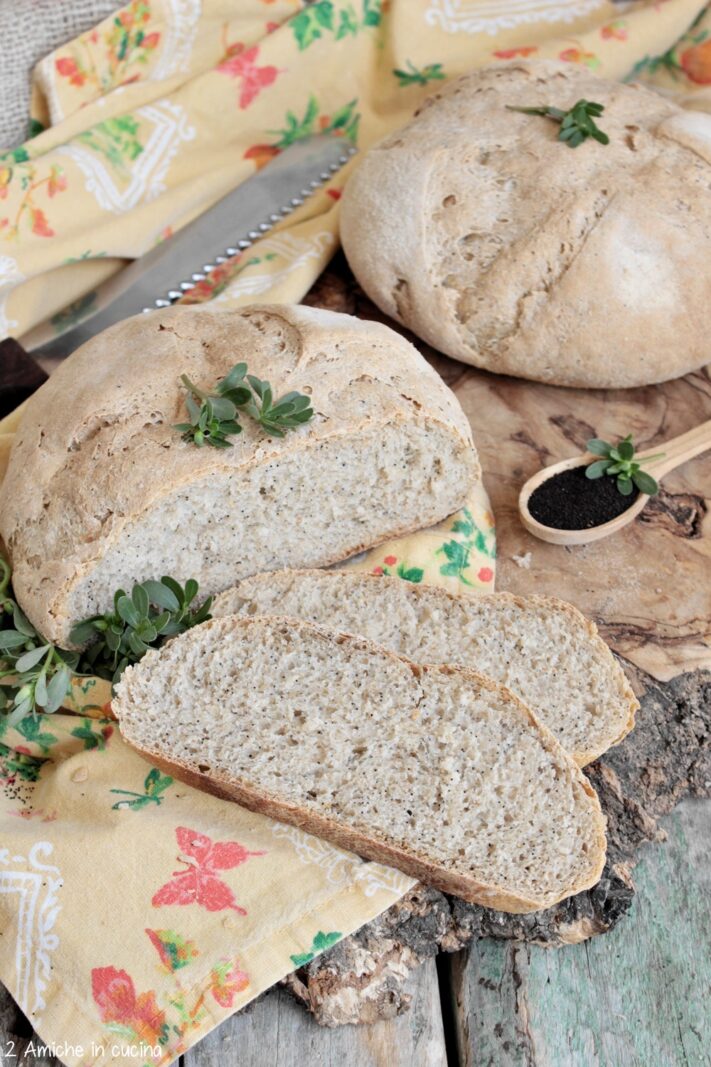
(648, 587)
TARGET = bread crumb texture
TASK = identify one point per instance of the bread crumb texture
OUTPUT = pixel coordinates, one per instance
(101, 490)
(541, 648)
(438, 770)
(499, 245)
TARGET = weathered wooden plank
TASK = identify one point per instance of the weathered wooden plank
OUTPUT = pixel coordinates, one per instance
(638, 996)
(277, 1032)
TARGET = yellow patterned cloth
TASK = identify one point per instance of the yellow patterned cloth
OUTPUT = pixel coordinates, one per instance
(135, 912)
(166, 106)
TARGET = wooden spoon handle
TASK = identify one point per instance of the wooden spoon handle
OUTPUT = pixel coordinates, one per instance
(678, 450)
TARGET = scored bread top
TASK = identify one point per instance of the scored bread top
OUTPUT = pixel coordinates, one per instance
(435, 770)
(542, 648)
(97, 450)
(495, 242)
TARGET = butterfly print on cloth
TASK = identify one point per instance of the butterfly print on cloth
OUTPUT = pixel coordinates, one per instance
(199, 882)
(241, 64)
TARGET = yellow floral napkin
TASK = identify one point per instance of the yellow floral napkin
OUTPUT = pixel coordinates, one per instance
(137, 913)
(160, 110)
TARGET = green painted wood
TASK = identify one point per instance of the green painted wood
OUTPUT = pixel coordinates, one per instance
(277, 1032)
(637, 997)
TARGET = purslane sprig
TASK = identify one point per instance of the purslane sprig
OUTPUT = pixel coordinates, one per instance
(576, 124)
(214, 417)
(34, 675)
(142, 620)
(619, 463)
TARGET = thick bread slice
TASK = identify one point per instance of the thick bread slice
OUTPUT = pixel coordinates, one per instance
(101, 490)
(435, 770)
(543, 649)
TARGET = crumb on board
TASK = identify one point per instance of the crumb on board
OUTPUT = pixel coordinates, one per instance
(523, 561)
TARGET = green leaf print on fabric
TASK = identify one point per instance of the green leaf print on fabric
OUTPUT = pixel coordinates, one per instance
(308, 24)
(458, 553)
(372, 12)
(31, 730)
(14, 764)
(419, 76)
(154, 785)
(174, 950)
(319, 18)
(320, 943)
(92, 739)
(116, 140)
(343, 121)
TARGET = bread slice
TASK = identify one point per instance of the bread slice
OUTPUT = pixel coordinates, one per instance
(541, 648)
(101, 490)
(438, 771)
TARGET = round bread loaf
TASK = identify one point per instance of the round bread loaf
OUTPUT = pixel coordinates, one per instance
(498, 244)
(102, 491)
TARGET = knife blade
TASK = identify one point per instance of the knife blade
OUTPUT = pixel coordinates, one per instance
(160, 277)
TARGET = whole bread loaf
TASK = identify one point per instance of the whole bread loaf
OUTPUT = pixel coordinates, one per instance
(541, 648)
(102, 491)
(500, 245)
(435, 770)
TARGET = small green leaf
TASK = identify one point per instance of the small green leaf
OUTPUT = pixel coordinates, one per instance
(57, 690)
(160, 595)
(645, 483)
(31, 659)
(624, 486)
(127, 610)
(12, 639)
(140, 600)
(597, 469)
(22, 623)
(598, 447)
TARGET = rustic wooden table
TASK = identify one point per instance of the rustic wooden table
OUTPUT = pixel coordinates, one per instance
(638, 996)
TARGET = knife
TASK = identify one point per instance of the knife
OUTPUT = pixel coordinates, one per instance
(171, 269)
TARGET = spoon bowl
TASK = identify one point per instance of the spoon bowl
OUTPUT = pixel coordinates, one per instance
(675, 452)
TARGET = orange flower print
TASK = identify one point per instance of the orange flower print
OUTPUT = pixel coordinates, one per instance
(40, 226)
(614, 31)
(485, 574)
(199, 882)
(226, 979)
(576, 55)
(262, 154)
(241, 64)
(115, 996)
(514, 53)
(57, 182)
(696, 63)
(104, 60)
(68, 69)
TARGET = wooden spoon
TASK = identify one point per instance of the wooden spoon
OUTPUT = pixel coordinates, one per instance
(676, 452)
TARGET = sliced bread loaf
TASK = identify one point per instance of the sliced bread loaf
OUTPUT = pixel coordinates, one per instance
(435, 770)
(543, 649)
(102, 491)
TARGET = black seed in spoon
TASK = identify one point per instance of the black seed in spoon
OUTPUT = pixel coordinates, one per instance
(570, 501)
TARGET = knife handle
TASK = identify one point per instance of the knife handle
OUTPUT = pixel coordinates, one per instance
(20, 376)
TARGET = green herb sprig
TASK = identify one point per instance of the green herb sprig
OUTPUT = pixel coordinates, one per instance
(619, 463)
(142, 620)
(34, 675)
(214, 417)
(576, 124)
